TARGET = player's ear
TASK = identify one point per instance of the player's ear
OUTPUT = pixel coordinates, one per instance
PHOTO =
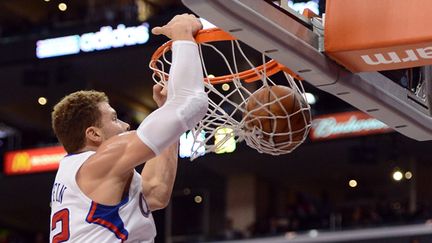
(94, 134)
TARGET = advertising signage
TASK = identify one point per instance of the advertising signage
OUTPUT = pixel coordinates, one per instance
(105, 38)
(346, 124)
(33, 160)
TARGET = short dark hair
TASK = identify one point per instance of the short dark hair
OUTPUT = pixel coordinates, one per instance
(73, 115)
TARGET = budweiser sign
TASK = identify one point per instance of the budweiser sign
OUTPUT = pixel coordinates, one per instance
(33, 160)
(345, 125)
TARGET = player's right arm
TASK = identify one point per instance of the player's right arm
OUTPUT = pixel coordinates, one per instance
(186, 104)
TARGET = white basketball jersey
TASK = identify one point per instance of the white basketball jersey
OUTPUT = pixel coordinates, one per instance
(76, 218)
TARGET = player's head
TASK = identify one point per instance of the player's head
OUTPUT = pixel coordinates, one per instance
(85, 118)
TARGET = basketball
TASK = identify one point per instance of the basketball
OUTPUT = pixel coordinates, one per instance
(278, 119)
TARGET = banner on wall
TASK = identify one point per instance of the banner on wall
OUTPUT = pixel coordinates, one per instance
(346, 124)
(33, 160)
(105, 38)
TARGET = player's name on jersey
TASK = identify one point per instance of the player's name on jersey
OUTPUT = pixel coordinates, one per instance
(58, 192)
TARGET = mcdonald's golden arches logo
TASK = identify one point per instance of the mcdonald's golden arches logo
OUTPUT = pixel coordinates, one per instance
(33, 160)
(21, 162)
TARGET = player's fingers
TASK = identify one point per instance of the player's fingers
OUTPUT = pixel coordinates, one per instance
(164, 91)
(157, 88)
(157, 30)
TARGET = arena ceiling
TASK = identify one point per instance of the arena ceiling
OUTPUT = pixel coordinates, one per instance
(19, 15)
(123, 74)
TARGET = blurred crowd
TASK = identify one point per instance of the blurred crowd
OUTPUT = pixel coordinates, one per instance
(306, 213)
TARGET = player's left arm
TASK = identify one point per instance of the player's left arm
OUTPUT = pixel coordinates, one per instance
(158, 174)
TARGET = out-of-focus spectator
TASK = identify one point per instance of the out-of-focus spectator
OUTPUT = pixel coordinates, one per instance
(229, 232)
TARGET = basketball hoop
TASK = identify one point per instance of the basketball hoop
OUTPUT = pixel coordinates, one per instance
(230, 114)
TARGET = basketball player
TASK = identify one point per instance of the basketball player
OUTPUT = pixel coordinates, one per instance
(97, 195)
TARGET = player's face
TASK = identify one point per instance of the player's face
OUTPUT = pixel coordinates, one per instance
(110, 124)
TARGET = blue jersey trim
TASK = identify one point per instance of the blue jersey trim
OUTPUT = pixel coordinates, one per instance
(108, 217)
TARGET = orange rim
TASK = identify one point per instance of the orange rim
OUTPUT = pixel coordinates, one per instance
(214, 35)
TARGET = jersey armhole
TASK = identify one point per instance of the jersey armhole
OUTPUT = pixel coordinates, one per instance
(74, 182)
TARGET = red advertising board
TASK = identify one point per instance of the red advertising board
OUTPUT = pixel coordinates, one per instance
(346, 124)
(33, 160)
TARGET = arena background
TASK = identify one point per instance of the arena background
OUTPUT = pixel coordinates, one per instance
(238, 195)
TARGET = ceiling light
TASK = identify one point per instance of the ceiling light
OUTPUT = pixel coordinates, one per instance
(397, 175)
(62, 6)
(42, 101)
(408, 175)
(225, 87)
(198, 199)
(352, 183)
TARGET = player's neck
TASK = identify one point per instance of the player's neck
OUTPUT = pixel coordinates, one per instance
(88, 148)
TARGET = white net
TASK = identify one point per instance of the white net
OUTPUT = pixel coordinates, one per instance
(270, 114)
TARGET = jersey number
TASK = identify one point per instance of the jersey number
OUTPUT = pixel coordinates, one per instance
(63, 216)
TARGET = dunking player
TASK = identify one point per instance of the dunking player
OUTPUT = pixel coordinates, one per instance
(97, 195)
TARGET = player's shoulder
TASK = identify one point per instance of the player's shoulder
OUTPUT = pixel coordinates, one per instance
(74, 161)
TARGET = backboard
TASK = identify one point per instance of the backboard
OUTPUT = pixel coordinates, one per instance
(293, 40)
